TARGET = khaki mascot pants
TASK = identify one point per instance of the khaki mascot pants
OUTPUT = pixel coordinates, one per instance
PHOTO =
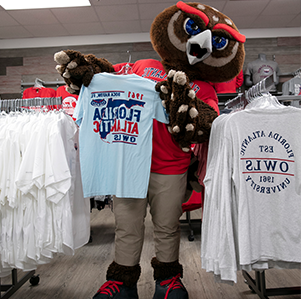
(166, 193)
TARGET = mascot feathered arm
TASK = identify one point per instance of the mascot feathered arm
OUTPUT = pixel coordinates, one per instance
(78, 69)
(190, 119)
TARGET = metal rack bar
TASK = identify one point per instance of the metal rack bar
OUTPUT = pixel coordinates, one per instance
(258, 285)
(25, 104)
(245, 98)
(24, 84)
(13, 105)
(10, 289)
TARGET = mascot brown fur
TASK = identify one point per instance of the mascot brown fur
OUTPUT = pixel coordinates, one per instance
(197, 44)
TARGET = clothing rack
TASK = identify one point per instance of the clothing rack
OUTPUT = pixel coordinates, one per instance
(126, 69)
(258, 284)
(297, 72)
(17, 105)
(46, 83)
(245, 98)
(25, 104)
(10, 289)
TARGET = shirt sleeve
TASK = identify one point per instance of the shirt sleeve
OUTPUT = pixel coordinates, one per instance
(239, 79)
(160, 113)
(119, 66)
(78, 111)
(285, 88)
(206, 93)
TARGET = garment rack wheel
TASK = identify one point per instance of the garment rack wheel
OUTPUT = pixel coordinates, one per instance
(34, 280)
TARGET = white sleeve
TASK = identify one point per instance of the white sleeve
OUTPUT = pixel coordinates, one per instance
(24, 180)
(78, 111)
(227, 250)
(159, 111)
(59, 182)
(218, 250)
(210, 219)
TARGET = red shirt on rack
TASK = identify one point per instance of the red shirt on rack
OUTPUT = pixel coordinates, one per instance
(38, 92)
(69, 100)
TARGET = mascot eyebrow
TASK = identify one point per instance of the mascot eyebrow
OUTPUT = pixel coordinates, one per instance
(191, 10)
(238, 36)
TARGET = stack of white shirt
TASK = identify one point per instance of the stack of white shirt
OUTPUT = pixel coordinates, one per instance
(41, 213)
(252, 208)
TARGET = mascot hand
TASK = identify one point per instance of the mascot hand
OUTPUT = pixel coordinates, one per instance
(78, 69)
(190, 118)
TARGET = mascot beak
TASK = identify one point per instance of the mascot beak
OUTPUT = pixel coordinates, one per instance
(199, 47)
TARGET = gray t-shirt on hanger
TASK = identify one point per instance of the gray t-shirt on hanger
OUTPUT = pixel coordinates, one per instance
(260, 69)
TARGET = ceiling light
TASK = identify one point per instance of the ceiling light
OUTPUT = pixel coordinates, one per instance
(33, 4)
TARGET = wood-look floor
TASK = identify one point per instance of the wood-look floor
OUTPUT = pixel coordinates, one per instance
(80, 276)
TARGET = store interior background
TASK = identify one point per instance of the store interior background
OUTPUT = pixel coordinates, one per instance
(111, 28)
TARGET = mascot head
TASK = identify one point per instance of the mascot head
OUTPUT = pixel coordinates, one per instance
(199, 40)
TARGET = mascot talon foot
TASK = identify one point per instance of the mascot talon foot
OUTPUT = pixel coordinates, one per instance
(171, 73)
(61, 57)
(60, 69)
(66, 74)
(191, 93)
(78, 69)
(72, 65)
(74, 87)
(71, 90)
(186, 149)
(193, 112)
(164, 89)
(180, 78)
(183, 108)
(176, 129)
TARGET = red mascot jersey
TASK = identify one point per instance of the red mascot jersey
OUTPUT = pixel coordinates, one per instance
(167, 156)
(229, 86)
(68, 100)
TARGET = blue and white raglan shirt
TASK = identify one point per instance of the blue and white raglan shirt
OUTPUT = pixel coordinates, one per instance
(115, 114)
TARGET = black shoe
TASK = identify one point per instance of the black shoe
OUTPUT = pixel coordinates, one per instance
(115, 289)
(171, 288)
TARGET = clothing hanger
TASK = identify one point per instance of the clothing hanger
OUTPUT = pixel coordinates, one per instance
(38, 83)
(297, 73)
(257, 90)
(126, 69)
(18, 105)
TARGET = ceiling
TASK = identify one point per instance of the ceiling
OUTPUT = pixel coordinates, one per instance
(110, 17)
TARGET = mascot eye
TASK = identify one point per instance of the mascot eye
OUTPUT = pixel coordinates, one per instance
(191, 27)
(219, 42)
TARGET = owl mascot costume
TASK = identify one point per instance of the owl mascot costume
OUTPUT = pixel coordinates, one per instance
(197, 44)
